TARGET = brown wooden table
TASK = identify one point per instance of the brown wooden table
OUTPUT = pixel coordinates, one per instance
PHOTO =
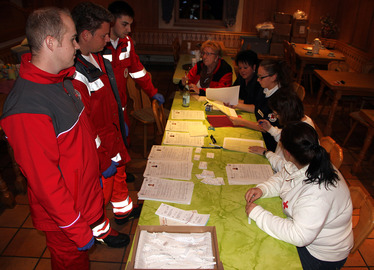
(368, 115)
(322, 58)
(355, 84)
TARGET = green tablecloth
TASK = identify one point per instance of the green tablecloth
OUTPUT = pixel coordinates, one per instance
(241, 245)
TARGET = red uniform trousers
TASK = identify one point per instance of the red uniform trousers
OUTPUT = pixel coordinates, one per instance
(64, 252)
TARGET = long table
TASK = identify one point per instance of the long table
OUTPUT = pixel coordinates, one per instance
(241, 245)
(180, 72)
(355, 84)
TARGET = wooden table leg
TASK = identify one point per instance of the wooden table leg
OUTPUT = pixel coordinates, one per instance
(316, 105)
(334, 104)
(368, 139)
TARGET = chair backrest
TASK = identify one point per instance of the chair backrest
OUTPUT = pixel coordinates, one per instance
(335, 151)
(286, 52)
(299, 89)
(340, 66)
(293, 60)
(138, 96)
(365, 223)
(159, 114)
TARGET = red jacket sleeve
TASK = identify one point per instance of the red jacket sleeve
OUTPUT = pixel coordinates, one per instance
(137, 72)
(104, 157)
(36, 150)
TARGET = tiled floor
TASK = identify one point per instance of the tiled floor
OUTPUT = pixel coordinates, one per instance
(22, 247)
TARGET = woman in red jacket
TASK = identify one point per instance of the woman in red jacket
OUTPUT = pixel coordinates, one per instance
(212, 71)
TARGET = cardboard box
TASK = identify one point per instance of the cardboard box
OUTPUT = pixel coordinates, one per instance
(279, 38)
(277, 49)
(283, 29)
(280, 17)
(300, 28)
(177, 229)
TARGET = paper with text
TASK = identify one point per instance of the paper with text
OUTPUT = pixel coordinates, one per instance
(248, 174)
(188, 114)
(175, 125)
(186, 217)
(228, 95)
(178, 138)
(172, 153)
(226, 110)
(169, 169)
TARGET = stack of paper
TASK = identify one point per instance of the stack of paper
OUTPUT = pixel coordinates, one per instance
(229, 95)
(178, 138)
(247, 174)
(166, 190)
(188, 114)
(183, 216)
(172, 153)
(174, 125)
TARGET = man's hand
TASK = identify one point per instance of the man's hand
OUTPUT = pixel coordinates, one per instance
(112, 169)
(160, 98)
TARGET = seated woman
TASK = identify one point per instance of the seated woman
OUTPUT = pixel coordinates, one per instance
(212, 71)
(272, 75)
(288, 107)
(247, 63)
(315, 199)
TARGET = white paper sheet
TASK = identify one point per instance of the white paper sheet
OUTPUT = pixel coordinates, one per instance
(248, 174)
(166, 190)
(228, 95)
(169, 169)
(175, 125)
(226, 110)
(178, 138)
(198, 130)
(187, 217)
(240, 145)
(172, 153)
(188, 114)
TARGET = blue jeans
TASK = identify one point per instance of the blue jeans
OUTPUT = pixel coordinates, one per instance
(310, 263)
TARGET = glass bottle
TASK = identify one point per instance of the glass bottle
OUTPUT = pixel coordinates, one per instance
(186, 96)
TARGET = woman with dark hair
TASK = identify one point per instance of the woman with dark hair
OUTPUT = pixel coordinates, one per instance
(247, 62)
(272, 76)
(287, 107)
(315, 199)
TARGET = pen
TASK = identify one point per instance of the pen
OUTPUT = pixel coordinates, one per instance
(213, 139)
(212, 147)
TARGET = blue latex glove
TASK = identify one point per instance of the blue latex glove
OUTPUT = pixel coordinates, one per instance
(126, 130)
(88, 245)
(111, 170)
(160, 98)
(101, 182)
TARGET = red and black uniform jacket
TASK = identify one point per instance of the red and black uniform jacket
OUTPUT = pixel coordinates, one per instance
(102, 108)
(46, 125)
(222, 75)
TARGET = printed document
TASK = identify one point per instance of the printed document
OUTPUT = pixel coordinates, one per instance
(173, 125)
(188, 114)
(240, 145)
(228, 95)
(226, 110)
(187, 217)
(169, 169)
(172, 153)
(166, 190)
(178, 138)
(248, 174)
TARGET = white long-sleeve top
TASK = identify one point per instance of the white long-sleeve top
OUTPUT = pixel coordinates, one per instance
(276, 158)
(319, 219)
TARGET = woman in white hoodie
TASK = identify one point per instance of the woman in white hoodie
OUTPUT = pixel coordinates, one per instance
(315, 199)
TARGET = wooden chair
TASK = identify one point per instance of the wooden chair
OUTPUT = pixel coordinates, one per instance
(363, 204)
(339, 66)
(356, 119)
(142, 109)
(299, 89)
(286, 52)
(335, 151)
(295, 66)
(160, 118)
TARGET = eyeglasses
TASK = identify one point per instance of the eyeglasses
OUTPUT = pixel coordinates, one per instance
(207, 53)
(263, 77)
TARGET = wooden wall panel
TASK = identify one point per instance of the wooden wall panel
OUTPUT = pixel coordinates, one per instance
(255, 12)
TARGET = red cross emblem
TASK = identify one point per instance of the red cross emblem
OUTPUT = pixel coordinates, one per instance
(285, 205)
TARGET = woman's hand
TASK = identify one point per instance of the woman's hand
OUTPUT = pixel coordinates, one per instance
(256, 150)
(184, 80)
(264, 124)
(194, 88)
(252, 195)
(230, 106)
(249, 207)
(237, 121)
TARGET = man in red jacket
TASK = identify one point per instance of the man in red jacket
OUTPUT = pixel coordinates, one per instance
(121, 53)
(96, 83)
(47, 126)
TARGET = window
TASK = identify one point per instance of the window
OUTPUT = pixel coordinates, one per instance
(204, 13)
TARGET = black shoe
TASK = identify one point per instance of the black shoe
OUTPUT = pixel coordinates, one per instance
(135, 213)
(130, 177)
(115, 240)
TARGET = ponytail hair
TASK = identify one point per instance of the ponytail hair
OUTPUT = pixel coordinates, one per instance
(280, 68)
(301, 141)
